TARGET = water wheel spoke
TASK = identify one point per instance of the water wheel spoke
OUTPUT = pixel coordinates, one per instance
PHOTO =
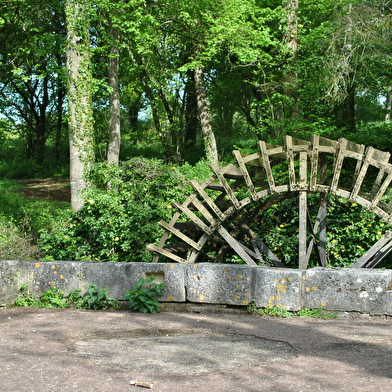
(236, 246)
(320, 226)
(376, 253)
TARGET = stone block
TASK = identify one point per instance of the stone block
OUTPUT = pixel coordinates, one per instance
(228, 284)
(9, 278)
(278, 288)
(171, 275)
(348, 289)
(68, 275)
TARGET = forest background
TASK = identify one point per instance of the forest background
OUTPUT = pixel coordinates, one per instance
(130, 99)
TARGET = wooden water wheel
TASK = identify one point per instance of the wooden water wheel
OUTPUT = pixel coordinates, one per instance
(221, 215)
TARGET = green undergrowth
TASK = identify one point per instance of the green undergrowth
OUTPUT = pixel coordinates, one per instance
(143, 298)
(283, 313)
(93, 298)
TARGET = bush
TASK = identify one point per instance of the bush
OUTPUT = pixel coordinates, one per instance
(144, 297)
(14, 244)
(122, 207)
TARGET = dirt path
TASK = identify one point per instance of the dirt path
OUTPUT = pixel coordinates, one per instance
(74, 350)
(46, 188)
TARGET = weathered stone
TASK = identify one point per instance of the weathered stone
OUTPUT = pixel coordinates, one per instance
(279, 288)
(220, 283)
(345, 289)
(9, 278)
(172, 275)
(348, 289)
(67, 275)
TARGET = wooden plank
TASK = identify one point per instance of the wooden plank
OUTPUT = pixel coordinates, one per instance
(380, 255)
(358, 165)
(264, 248)
(203, 210)
(384, 163)
(303, 170)
(156, 249)
(180, 235)
(366, 258)
(290, 163)
(338, 165)
(230, 193)
(235, 245)
(267, 166)
(207, 199)
(362, 173)
(198, 222)
(258, 244)
(193, 254)
(314, 158)
(245, 173)
(322, 218)
(321, 226)
(383, 188)
(302, 230)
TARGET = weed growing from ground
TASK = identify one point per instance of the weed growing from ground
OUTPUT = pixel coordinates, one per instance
(144, 297)
(97, 299)
(279, 312)
(94, 298)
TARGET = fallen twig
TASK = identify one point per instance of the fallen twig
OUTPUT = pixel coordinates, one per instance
(141, 384)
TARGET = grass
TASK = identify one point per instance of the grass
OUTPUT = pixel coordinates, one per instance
(284, 313)
(21, 220)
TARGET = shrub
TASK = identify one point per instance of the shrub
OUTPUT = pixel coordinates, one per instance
(144, 297)
(14, 244)
(94, 298)
(122, 207)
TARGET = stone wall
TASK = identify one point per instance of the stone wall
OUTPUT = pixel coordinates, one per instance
(338, 289)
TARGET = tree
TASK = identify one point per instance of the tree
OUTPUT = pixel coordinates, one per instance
(80, 119)
(31, 67)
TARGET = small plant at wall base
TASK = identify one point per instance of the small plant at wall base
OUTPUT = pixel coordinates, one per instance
(144, 297)
(97, 299)
(283, 313)
(94, 299)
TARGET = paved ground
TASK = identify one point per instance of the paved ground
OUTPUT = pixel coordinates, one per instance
(73, 350)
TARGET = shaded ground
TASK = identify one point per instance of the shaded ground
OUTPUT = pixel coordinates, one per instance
(46, 188)
(75, 350)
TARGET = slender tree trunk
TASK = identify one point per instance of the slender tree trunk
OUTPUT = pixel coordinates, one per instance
(79, 79)
(388, 105)
(113, 155)
(59, 125)
(190, 111)
(290, 39)
(41, 125)
(204, 117)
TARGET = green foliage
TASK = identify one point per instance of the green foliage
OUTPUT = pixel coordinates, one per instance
(283, 313)
(26, 299)
(97, 299)
(53, 298)
(316, 313)
(144, 297)
(94, 298)
(122, 207)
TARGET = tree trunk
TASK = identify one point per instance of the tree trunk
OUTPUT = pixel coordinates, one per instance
(190, 111)
(204, 117)
(113, 155)
(388, 105)
(290, 40)
(59, 125)
(79, 78)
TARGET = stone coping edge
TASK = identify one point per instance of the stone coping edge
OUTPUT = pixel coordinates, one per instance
(335, 289)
